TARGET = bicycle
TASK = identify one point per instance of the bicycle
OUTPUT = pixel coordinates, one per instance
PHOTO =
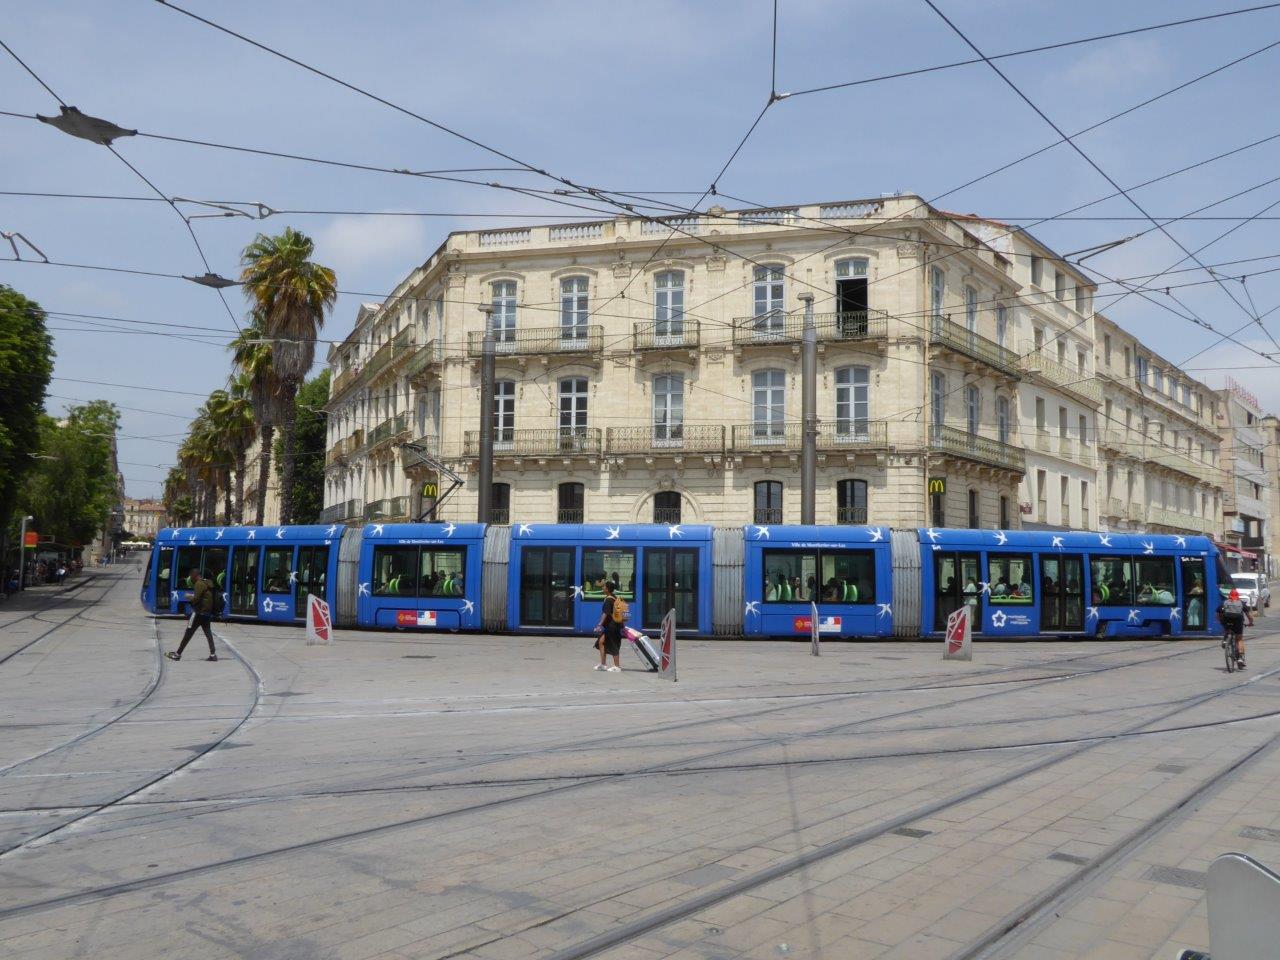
(1231, 648)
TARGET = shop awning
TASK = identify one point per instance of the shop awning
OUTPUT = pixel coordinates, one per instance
(1231, 551)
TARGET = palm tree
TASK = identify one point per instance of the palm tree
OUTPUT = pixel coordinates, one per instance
(251, 353)
(292, 294)
(231, 415)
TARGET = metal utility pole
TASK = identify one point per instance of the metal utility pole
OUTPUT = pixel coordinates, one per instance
(809, 412)
(22, 552)
(484, 502)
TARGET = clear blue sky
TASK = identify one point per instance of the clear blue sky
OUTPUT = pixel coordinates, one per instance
(627, 95)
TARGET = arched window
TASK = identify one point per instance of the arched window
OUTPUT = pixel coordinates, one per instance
(768, 505)
(666, 506)
(851, 501)
(768, 299)
(504, 312)
(569, 503)
(573, 308)
(768, 406)
(852, 403)
(668, 307)
(504, 414)
(500, 504)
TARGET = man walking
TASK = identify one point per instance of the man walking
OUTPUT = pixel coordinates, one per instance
(201, 614)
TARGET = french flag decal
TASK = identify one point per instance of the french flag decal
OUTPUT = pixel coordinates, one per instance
(829, 624)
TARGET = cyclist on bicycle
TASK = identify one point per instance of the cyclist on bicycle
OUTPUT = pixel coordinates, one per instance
(1232, 613)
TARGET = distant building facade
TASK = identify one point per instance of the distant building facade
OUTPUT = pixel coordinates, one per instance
(1247, 494)
(143, 518)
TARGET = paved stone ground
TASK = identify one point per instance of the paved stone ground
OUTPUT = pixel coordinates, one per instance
(400, 795)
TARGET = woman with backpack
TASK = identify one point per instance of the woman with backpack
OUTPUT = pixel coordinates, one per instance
(612, 617)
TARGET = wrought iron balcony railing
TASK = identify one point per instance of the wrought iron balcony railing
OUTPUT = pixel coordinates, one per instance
(851, 515)
(666, 334)
(347, 510)
(387, 429)
(552, 442)
(946, 333)
(569, 515)
(1082, 385)
(425, 360)
(971, 446)
(778, 327)
(666, 514)
(392, 508)
(539, 341)
(833, 435)
(659, 438)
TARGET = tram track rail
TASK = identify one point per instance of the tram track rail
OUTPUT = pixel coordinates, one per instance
(575, 783)
(5, 658)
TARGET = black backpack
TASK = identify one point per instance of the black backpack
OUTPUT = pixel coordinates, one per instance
(218, 602)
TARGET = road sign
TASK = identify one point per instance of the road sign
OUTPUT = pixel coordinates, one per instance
(958, 644)
(318, 622)
(937, 485)
(668, 654)
(32, 539)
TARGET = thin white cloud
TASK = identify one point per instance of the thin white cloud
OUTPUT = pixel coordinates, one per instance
(353, 243)
(1119, 65)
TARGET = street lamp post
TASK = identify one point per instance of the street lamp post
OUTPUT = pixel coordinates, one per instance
(485, 500)
(809, 413)
(22, 553)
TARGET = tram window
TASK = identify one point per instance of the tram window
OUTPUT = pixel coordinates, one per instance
(1112, 580)
(214, 565)
(440, 573)
(1011, 579)
(277, 570)
(393, 571)
(188, 559)
(1222, 575)
(848, 576)
(789, 576)
(312, 562)
(616, 565)
(1154, 579)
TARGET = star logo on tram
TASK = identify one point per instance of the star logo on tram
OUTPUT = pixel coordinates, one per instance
(577, 592)
(449, 528)
(984, 586)
(333, 528)
(280, 532)
(999, 619)
(524, 530)
(218, 535)
(175, 534)
(1175, 614)
(752, 609)
(886, 610)
(377, 530)
(932, 534)
(1134, 616)
(1148, 547)
(468, 606)
(1056, 542)
(877, 534)
(253, 534)
(1001, 537)
(613, 533)
(1092, 614)
(673, 530)
(762, 533)
(268, 605)
(1104, 540)
(363, 591)
(293, 576)
(1180, 541)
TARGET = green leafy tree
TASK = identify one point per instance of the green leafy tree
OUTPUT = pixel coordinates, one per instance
(26, 363)
(292, 295)
(310, 439)
(73, 488)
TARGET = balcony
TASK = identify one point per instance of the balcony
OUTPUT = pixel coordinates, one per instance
(1043, 441)
(339, 512)
(552, 442)
(851, 436)
(539, 341)
(411, 460)
(343, 381)
(1116, 508)
(968, 446)
(862, 326)
(569, 515)
(388, 430)
(681, 334)
(392, 508)
(1177, 520)
(1175, 460)
(851, 515)
(1066, 447)
(425, 362)
(672, 439)
(345, 448)
(1083, 387)
(952, 336)
(390, 355)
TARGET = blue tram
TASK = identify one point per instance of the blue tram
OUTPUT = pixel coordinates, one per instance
(754, 581)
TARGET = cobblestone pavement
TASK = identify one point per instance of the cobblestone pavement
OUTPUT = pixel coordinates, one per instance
(403, 795)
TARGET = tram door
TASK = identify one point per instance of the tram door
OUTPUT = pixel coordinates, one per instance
(1194, 602)
(244, 581)
(546, 587)
(670, 582)
(956, 581)
(164, 578)
(1062, 593)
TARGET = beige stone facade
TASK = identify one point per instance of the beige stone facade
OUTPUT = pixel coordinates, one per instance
(1160, 462)
(1271, 457)
(650, 372)
(271, 511)
(1246, 499)
(646, 365)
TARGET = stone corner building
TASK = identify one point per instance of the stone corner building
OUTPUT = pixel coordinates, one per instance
(650, 372)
